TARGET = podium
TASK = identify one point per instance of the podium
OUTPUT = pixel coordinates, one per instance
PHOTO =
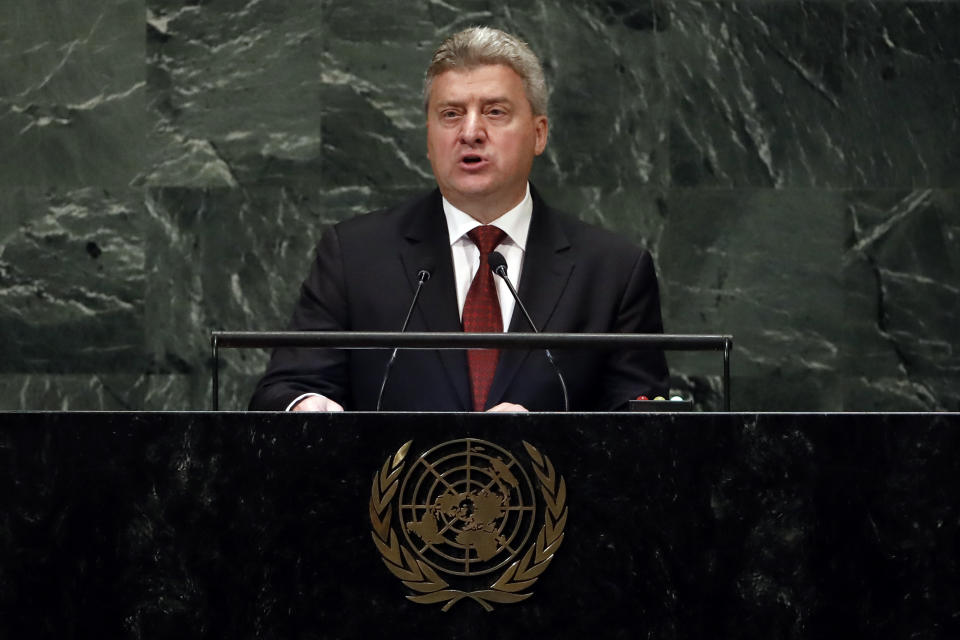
(732, 525)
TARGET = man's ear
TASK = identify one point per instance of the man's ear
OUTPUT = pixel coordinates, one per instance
(541, 128)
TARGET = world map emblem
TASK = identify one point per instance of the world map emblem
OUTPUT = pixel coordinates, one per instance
(471, 521)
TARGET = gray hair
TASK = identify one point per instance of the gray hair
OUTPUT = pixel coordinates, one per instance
(479, 46)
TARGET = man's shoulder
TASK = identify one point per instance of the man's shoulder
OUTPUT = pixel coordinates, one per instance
(392, 218)
(600, 234)
(589, 236)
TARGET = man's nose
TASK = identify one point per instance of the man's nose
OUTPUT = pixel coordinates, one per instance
(473, 131)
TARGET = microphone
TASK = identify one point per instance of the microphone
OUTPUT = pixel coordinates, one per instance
(422, 276)
(498, 264)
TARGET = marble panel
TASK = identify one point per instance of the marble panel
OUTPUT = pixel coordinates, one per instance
(71, 93)
(754, 93)
(608, 99)
(901, 94)
(71, 281)
(902, 282)
(233, 92)
(796, 94)
(372, 77)
(763, 265)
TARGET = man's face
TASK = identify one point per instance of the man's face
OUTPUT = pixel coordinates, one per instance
(482, 137)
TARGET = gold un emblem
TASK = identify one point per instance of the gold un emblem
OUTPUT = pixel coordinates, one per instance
(466, 513)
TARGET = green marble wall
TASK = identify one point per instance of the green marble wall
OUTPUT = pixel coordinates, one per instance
(166, 167)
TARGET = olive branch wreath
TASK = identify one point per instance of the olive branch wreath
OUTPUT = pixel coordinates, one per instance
(421, 577)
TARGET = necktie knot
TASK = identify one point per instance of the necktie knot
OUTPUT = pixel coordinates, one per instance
(486, 238)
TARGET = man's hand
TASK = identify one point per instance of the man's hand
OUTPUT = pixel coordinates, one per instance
(508, 407)
(317, 403)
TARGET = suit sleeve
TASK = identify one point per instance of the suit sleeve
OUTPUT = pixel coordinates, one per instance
(633, 372)
(322, 306)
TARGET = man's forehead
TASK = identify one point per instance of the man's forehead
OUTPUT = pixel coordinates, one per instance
(493, 81)
(484, 83)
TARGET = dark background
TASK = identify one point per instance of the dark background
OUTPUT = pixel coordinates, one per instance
(166, 168)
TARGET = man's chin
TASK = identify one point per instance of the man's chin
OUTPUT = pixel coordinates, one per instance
(477, 185)
(471, 192)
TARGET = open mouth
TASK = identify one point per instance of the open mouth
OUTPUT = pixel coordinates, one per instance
(472, 159)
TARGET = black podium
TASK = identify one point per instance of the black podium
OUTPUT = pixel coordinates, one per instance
(244, 525)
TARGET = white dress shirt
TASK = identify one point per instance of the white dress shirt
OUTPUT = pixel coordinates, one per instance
(466, 256)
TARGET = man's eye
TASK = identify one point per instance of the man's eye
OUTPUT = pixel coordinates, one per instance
(447, 115)
(496, 112)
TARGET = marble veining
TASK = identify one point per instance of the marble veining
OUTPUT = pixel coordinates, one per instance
(166, 168)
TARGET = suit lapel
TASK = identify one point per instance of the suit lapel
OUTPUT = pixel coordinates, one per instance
(547, 265)
(427, 245)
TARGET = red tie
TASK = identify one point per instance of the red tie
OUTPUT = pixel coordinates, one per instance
(481, 312)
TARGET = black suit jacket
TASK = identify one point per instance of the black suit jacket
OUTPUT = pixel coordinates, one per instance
(576, 278)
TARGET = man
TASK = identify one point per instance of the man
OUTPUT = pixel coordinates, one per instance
(486, 106)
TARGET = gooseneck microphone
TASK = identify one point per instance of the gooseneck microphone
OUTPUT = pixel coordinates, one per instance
(422, 276)
(498, 264)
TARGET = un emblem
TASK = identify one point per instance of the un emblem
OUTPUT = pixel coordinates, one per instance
(467, 509)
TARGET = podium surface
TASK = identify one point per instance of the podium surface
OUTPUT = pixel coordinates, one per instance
(264, 525)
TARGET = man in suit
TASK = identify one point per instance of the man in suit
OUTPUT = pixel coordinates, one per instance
(486, 100)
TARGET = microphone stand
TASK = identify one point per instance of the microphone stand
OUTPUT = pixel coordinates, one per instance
(422, 276)
(499, 266)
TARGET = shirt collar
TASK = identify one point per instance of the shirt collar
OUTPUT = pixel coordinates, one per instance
(515, 223)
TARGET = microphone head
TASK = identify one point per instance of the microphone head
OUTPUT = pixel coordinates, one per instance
(498, 264)
(426, 269)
